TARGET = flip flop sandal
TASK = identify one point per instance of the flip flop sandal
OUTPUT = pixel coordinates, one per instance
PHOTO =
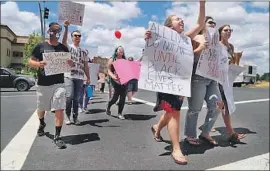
(235, 137)
(159, 138)
(178, 161)
(211, 141)
(193, 141)
(212, 130)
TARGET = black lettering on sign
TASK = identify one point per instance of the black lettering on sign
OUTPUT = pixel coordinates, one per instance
(154, 36)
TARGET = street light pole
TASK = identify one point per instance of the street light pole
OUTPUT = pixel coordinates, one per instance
(41, 22)
(44, 26)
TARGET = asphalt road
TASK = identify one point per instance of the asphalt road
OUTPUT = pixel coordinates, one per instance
(102, 142)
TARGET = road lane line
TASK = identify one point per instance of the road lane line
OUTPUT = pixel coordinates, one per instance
(23, 95)
(260, 162)
(186, 107)
(15, 153)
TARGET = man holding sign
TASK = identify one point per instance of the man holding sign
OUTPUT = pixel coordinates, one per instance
(74, 79)
(51, 93)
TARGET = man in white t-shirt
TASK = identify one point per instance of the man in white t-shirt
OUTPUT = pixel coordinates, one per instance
(74, 79)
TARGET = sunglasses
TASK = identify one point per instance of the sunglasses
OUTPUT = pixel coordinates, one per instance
(226, 30)
(211, 22)
(76, 35)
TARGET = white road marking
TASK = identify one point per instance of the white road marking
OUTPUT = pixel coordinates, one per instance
(15, 153)
(260, 162)
(186, 107)
(23, 95)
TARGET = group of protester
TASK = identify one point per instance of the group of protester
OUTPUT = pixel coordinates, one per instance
(62, 92)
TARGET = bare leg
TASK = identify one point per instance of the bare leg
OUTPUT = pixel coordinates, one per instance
(129, 95)
(40, 114)
(59, 117)
(173, 129)
(163, 121)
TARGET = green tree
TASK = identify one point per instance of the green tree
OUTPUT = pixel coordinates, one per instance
(34, 39)
(258, 77)
(265, 76)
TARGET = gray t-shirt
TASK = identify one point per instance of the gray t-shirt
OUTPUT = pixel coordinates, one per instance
(78, 56)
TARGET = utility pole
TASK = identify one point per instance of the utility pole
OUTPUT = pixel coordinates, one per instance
(41, 22)
(45, 16)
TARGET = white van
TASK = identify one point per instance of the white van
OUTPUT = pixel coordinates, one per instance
(248, 76)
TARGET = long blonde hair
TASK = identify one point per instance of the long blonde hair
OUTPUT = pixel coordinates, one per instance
(168, 21)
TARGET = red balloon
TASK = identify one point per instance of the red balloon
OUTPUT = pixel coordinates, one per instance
(117, 34)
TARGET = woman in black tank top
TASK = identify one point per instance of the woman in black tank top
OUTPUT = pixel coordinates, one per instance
(119, 90)
(225, 34)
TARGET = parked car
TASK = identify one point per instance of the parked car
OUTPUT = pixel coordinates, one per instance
(9, 79)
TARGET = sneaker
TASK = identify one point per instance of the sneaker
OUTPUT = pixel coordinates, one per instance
(76, 121)
(59, 143)
(40, 131)
(120, 116)
(68, 121)
(80, 110)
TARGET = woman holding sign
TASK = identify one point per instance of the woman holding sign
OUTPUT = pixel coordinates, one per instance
(224, 36)
(203, 88)
(119, 90)
(172, 103)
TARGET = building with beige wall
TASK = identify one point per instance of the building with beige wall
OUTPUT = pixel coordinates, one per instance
(12, 48)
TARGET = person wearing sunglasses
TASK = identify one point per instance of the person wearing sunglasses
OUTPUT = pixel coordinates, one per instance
(202, 88)
(74, 79)
(224, 36)
(51, 92)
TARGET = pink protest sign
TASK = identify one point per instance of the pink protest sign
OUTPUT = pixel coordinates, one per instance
(127, 70)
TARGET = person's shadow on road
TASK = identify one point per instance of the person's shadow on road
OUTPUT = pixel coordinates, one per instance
(96, 122)
(76, 139)
(188, 149)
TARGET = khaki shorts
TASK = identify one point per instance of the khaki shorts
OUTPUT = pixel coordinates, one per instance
(51, 98)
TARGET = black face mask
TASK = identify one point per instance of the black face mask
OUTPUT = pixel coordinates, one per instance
(55, 33)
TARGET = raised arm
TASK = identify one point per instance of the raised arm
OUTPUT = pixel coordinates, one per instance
(200, 22)
(64, 40)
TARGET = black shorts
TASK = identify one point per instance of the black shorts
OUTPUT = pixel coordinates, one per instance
(132, 86)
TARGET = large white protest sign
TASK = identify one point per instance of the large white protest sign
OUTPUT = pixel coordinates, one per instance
(71, 11)
(56, 62)
(167, 63)
(213, 62)
(233, 72)
(93, 69)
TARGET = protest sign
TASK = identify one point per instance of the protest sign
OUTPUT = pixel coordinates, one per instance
(213, 61)
(127, 70)
(71, 11)
(168, 62)
(233, 72)
(93, 69)
(56, 62)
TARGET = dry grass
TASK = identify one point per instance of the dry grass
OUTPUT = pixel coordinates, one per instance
(260, 84)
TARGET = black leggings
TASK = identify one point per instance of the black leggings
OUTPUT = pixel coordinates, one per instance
(119, 90)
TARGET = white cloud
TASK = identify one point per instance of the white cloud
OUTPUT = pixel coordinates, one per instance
(100, 22)
(109, 15)
(154, 18)
(21, 22)
(251, 30)
(132, 40)
(263, 5)
(102, 19)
